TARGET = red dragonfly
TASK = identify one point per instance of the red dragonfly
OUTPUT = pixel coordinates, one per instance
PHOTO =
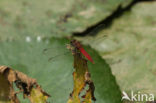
(74, 44)
(77, 45)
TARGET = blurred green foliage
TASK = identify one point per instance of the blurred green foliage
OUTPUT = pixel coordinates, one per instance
(20, 18)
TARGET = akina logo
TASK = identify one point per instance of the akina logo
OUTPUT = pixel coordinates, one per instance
(139, 97)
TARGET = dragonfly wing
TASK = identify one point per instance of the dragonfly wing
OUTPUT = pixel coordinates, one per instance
(57, 56)
(54, 53)
(54, 49)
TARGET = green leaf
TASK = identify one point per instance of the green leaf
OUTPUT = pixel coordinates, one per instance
(55, 77)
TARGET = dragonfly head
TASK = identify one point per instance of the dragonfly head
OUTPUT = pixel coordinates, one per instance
(75, 43)
(72, 42)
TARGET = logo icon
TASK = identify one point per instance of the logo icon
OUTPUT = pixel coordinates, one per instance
(140, 97)
(125, 96)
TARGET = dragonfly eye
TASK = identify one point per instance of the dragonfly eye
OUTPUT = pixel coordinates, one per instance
(73, 42)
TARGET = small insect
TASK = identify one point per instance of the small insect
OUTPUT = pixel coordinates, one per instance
(74, 45)
(77, 45)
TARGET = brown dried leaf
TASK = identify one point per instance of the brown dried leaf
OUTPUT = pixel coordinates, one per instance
(27, 85)
(7, 93)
